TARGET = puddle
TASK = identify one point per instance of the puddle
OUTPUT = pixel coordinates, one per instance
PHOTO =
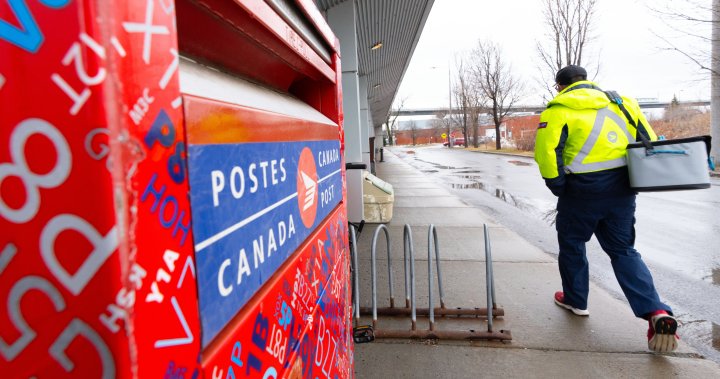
(714, 277)
(441, 167)
(475, 182)
(703, 335)
(507, 197)
(517, 202)
(497, 192)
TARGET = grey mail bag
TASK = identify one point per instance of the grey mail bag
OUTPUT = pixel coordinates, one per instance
(666, 165)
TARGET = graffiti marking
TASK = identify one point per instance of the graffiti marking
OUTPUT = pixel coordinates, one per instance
(177, 341)
(7, 254)
(188, 265)
(147, 28)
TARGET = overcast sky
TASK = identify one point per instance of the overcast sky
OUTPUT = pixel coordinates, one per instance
(633, 61)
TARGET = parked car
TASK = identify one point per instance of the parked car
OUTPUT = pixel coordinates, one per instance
(456, 142)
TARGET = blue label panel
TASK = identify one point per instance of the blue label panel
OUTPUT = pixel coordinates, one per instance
(252, 206)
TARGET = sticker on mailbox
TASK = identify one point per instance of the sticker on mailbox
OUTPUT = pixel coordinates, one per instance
(253, 205)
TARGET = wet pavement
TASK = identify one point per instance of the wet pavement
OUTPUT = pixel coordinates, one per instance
(677, 231)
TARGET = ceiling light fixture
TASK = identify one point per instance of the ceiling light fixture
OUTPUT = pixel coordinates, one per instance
(376, 46)
(377, 85)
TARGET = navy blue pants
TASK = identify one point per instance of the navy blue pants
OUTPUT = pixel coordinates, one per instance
(612, 220)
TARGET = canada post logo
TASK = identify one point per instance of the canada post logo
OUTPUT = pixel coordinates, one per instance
(249, 215)
(307, 183)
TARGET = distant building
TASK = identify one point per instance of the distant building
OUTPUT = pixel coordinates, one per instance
(513, 127)
(521, 127)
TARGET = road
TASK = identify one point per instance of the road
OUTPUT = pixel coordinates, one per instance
(678, 233)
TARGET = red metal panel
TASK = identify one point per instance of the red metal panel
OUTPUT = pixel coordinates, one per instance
(249, 39)
(96, 245)
(97, 271)
(299, 325)
(282, 31)
(166, 321)
(210, 121)
(60, 234)
(313, 14)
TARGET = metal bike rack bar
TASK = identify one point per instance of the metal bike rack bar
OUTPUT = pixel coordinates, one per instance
(374, 274)
(430, 280)
(470, 335)
(440, 311)
(489, 282)
(354, 269)
(361, 333)
(458, 312)
(409, 257)
(433, 241)
(409, 266)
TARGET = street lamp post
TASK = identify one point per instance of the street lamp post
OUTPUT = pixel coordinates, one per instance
(450, 145)
(449, 114)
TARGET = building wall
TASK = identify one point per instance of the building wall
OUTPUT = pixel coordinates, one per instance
(523, 130)
(422, 136)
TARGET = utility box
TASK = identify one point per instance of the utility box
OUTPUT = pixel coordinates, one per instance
(378, 199)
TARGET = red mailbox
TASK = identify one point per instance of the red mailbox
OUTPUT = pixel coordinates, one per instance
(172, 191)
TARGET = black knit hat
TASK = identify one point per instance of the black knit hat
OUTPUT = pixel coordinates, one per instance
(566, 75)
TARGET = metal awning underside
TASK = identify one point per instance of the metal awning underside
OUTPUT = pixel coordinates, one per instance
(398, 25)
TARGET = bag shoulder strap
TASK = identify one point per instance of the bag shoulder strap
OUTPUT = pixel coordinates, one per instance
(641, 132)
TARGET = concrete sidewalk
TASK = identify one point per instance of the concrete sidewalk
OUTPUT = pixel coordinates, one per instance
(548, 342)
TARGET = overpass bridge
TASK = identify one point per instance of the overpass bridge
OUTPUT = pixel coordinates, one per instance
(536, 108)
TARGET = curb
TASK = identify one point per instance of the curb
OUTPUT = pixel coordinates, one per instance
(501, 153)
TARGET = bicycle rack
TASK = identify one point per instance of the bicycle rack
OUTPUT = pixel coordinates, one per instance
(410, 307)
(361, 333)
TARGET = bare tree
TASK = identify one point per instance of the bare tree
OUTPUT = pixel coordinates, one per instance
(412, 125)
(476, 103)
(469, 99)
(391, 119)
(692, 19)
(496, 83)
(569, 24)
(462, 91)
(695, 15)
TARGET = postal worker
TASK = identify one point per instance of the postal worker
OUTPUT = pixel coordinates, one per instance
(580, 149)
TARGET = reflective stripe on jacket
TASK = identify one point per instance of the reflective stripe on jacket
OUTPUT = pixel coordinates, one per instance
(582, 132)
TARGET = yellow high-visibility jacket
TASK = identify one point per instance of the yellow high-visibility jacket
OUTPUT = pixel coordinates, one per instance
(581, 142)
